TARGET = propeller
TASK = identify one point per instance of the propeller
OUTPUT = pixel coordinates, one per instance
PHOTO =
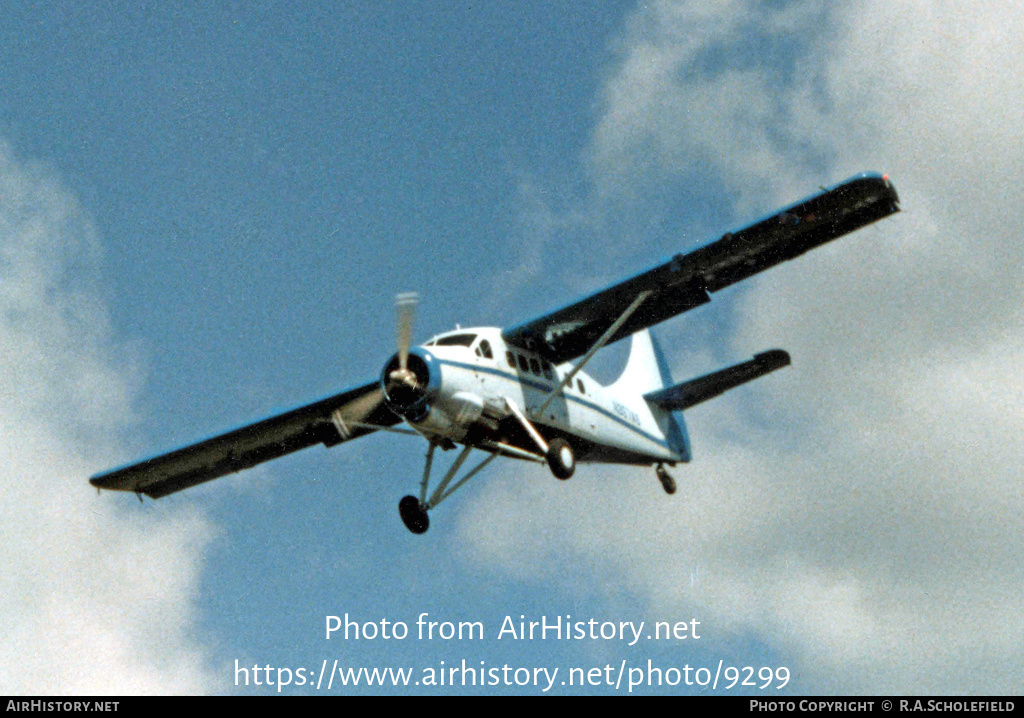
(405, 304)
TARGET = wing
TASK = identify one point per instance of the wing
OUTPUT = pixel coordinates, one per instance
(685, 281)
(330, 421)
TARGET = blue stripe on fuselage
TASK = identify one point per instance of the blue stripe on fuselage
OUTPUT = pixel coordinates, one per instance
(548, 387)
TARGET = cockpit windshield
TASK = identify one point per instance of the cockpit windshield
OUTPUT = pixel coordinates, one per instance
(453, 340)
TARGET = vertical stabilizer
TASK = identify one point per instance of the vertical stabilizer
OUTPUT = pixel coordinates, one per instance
(647, 371)
(644, 371)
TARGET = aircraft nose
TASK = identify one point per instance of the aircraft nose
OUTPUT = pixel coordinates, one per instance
(406, 390)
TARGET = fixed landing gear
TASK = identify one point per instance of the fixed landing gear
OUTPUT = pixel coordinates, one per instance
(560, 458)
(413, 510)
(414, 516)
(667, 482)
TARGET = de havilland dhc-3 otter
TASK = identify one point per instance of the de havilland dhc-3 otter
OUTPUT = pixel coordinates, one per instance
(513, 392)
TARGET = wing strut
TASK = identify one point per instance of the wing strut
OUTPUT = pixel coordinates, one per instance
(609, 333)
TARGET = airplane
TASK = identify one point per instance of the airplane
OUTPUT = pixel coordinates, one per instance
(515, 392)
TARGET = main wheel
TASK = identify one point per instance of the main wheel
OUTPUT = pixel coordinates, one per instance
(413, 515)
(561, 459)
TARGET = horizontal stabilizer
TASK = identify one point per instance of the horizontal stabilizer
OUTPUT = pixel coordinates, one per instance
(693, 392)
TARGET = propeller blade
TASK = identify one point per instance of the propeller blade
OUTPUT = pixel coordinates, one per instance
(406, 305)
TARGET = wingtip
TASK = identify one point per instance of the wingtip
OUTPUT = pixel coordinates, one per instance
(101, 480)
(774, 357)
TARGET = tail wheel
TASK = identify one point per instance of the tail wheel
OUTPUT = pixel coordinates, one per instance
(413, 515)
(667, 482)
(561, 459)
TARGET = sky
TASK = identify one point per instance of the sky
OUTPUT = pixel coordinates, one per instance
(206, 213)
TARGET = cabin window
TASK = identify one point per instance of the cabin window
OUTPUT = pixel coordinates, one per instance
(523, 366)
(485, 349)
(547, 371)
(579, 385)
(535, 366)
(511, 358)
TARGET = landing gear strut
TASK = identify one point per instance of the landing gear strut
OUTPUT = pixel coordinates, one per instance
(667, 482)
(414, 510)
(557, 452)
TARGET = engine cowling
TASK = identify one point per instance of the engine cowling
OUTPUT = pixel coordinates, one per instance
(408, 392)
(415, 393)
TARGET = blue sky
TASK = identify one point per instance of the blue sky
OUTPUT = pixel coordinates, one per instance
(207, 213)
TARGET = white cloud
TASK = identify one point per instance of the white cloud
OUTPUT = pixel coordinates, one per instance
(91, 601)
(861, 512)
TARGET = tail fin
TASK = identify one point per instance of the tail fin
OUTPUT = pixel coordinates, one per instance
(647, 372)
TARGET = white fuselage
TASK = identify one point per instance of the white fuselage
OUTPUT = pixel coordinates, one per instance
(480, 374)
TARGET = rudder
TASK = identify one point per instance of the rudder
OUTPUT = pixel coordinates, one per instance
(647, 371)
